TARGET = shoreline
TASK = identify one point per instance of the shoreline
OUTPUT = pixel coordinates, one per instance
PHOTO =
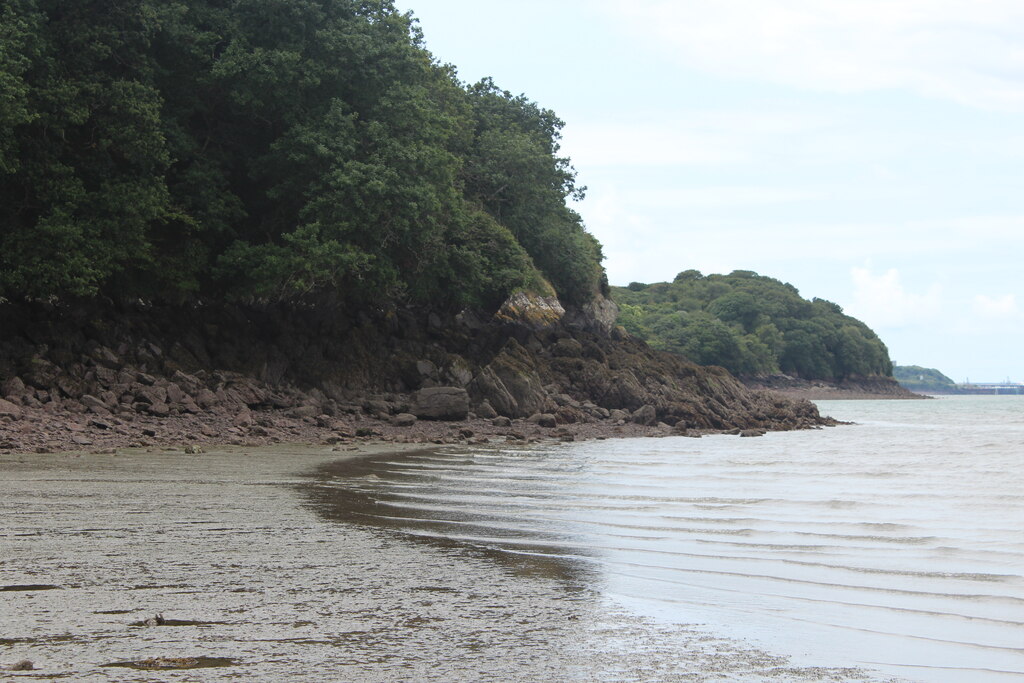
(869, 388)
(37, 431)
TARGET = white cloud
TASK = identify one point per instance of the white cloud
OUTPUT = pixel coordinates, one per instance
(882, 301)
(996, 307)
(962, 50)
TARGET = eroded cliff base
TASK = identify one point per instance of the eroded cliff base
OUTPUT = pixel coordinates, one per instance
(99, 377)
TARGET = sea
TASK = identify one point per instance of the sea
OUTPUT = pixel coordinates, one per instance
(888, 549)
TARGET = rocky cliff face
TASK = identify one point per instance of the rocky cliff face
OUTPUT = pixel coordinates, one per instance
(531, 359)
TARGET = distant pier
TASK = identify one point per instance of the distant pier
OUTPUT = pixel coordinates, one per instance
(990, 388)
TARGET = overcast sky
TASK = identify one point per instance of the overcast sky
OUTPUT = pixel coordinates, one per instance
(869, 152)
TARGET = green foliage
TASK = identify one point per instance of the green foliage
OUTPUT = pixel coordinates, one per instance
(751, 325)
(271, 149)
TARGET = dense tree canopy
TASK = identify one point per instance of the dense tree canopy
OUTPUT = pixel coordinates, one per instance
(751, 325)
(271, 149)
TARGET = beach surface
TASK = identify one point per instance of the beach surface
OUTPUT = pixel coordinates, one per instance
(259, 571)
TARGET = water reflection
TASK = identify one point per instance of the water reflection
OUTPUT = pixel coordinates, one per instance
(420, 495)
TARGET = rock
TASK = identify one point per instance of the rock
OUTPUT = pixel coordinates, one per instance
(304, 411)
(501, 422)
(143, 378)
(752, 432)
(404, 420)
(466, 433)
(441, 403)
(598, 315)
(534, 312)
(94, 404)
(8, 409)
(175, 394)
(194, 449)
(542, 419)
(23, 665)
(377, 406)
(107, 358)
(206, 398)
(13, 389)
(511, 383)
(426, 369)
(485, 410)
(615, 415)
(190, 383)
(41, 374)
(567, 348)
(158, 409)
(645, 415)
(151, 394)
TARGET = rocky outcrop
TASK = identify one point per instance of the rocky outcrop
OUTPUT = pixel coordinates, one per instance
(535, 312)
(110, 365)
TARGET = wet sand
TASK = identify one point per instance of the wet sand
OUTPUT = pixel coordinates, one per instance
(262, 572)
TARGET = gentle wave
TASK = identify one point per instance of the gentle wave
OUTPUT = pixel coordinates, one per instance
(887, 540)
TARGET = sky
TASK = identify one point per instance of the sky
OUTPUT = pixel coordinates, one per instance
(868, 152)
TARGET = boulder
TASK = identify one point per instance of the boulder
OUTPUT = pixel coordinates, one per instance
(404, 420)
(485, 410)
(94, 404)
(8, 409)
(206, 398)
(441, 403)
(752, 432)
(158, 409)
(175, 394)
(13, 389)
(542, 419)
(645, 415)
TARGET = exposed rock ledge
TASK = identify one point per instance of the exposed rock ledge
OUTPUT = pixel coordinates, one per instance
(89, 376)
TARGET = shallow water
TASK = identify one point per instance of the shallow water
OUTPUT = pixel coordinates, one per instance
(895, 546)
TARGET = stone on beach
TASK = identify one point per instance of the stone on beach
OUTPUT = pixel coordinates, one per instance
(441, 403)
